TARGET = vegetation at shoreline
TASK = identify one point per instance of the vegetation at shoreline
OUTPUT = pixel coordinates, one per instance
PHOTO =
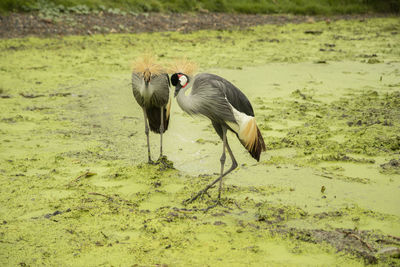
(75, 189)
(303, 7)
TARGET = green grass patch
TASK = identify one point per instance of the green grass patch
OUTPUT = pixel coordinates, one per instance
(311, 7)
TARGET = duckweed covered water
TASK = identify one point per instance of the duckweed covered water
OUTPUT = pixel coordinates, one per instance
(75, 189)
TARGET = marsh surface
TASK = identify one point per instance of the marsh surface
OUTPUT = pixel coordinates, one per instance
(75, 188)
(50, 22)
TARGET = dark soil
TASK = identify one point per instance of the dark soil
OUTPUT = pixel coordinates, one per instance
(36, 24)
(364, 244)
(393, 166)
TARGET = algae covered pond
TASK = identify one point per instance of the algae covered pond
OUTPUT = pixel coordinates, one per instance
(76, 189)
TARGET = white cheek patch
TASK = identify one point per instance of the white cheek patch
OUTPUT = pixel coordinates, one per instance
(183, 80)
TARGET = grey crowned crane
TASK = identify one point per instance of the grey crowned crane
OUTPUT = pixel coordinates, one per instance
(150, 87)
(227, 108)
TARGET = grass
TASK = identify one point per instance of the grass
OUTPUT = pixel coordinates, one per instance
(304, 7)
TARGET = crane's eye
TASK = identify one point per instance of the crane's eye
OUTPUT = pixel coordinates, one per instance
(183, 80)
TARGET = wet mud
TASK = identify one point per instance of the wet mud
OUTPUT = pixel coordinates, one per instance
(76, 188)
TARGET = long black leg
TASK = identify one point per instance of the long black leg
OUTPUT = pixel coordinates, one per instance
(161, 129)
(146, 130)
(234, 166)
(222, 160)
(234, 162)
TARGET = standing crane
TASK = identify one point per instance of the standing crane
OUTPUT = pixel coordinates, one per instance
(150, 86)
(227, 108)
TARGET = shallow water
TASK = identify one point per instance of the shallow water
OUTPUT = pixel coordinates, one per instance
(379, 194)
(325, 125)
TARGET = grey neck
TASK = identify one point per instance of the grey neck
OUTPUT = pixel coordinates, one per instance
(186, 102)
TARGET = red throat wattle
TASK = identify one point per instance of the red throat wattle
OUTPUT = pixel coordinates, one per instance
(180, 75)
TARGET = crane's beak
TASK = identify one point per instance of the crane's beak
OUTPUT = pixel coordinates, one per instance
(147, 77)
(177, 89)
(147, 80)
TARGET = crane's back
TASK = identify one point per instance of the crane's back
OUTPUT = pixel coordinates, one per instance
(226, 106)
(235, 97)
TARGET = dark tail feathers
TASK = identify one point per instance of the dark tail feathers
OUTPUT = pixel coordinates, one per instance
(154, 116)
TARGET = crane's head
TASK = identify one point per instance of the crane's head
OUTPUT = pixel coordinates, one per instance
(147, 67)
(146, 76)
(179, 80)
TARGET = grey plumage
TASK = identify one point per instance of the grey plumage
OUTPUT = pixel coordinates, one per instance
(213, 94)
(153, 97)
(151, 92)
(208, 99)
(155, 94)
(235, 97)
(228, 109)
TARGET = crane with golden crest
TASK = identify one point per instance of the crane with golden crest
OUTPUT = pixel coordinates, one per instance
(225, 105)
(150, 86)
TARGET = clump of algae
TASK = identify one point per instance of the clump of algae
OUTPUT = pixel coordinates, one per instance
(274, 215)
(66, 116)
(368, 121)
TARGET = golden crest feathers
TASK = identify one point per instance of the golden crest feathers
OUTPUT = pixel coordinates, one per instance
(147, 62)
(183, 66)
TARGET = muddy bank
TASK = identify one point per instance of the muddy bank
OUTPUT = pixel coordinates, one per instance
(33, 24)
(72, 151)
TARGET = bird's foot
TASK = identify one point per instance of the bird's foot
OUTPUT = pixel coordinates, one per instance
(162, 158)
(199, 194)
(165, 163)
(190, 200)
(150, 162)
(216, 203)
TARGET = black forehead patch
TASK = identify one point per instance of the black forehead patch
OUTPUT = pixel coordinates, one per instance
(174, 79)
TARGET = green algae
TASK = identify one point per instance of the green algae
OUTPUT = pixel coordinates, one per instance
(85, 120)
